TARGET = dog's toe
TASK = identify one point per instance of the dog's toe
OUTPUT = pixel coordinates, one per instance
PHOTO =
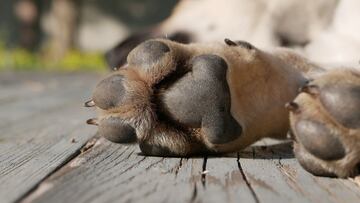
(109, 92)
(147, 54)
(115, 130)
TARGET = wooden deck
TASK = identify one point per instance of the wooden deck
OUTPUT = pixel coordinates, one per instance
(49, 154)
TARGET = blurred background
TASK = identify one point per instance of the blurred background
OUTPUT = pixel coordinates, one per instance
(70, 34)
(98, 34)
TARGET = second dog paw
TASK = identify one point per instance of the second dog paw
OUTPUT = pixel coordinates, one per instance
(325, 119)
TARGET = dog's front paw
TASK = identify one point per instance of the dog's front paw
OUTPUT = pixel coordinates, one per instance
(325, 119)
(169, 99)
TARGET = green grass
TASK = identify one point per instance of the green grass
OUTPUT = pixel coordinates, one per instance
(20, 59)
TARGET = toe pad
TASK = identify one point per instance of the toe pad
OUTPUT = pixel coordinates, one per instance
(110, 92)
(116, 131)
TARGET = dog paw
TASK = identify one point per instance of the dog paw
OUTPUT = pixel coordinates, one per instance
(169, 100)
(325, 119)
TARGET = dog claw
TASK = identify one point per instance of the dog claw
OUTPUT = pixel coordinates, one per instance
(92, 121)
(310, 89)
(292, 106)
(230, 42)
(240, 43)
(90, 103)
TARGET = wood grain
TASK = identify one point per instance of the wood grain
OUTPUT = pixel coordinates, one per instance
(43, 158)
(116, 173)
(281, 178)
(112, 172)
(36, 131)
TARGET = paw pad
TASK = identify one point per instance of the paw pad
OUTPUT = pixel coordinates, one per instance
(110, 92)
(115, 130)
(147, 54)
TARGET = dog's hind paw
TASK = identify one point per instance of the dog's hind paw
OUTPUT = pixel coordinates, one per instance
(325, 119)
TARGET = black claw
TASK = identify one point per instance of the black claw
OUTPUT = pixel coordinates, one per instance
(240, 43)
(230, 42)
(90, 103)
(310, 89)
(92, 121)
(292, 106)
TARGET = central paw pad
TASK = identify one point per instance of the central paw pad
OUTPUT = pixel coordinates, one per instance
(201, 99)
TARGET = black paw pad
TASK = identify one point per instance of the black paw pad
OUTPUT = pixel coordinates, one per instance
(318, 140)
(116, 131)
(201, 98)
(110, 92)
(147, 54)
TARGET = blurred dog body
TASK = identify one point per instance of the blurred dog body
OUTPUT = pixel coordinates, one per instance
(339, 44)
(264, 23)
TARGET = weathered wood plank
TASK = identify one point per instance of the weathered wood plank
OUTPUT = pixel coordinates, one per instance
(276, 177)
(36, 142)
(17, 86)
(225, 182)
(112, 172)
(334, 190)
(52, 92)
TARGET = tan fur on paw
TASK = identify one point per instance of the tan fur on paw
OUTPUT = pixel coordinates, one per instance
(325, 119)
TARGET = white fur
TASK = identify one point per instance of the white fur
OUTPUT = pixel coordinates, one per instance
(257, 21)
(339, 45)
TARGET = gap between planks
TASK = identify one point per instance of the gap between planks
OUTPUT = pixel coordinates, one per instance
(38, 191)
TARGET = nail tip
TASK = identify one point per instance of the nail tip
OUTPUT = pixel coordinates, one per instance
(309, 89)
(90, 103)
(229, 42)
(91, 121)
(292, 106)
